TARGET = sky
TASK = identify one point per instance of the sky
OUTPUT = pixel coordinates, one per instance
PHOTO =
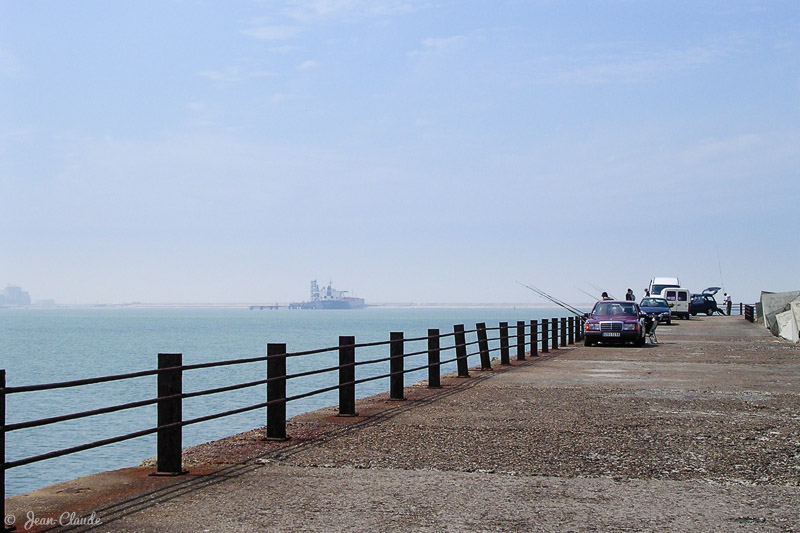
(427, 151)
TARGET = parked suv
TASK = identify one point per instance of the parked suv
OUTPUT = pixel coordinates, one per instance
(615, 321)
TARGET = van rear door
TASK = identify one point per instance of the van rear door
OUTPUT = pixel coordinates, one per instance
(678, 300)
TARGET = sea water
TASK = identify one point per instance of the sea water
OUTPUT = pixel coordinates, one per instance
(61, 344)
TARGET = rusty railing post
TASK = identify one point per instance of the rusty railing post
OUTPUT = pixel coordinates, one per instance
(170, 411)
(545, 336)
(504, 357)
(434, 357)
(554, 324)
(460, 340)
(520, 340)
(276, 391)
(483, 346)
(347, 376)
(396, 362)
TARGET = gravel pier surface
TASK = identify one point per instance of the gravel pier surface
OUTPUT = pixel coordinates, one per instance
(698, 433)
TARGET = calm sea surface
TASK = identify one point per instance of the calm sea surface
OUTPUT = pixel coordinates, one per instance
(51, 345)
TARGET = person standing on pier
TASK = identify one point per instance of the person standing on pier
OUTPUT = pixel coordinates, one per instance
(630, 296)
(728, 303)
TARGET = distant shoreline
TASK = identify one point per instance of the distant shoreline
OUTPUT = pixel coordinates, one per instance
(239, 305)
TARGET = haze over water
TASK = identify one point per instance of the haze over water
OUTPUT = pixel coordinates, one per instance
(409, 150)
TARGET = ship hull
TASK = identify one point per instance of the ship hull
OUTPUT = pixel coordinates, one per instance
(355, 303)
(350, 303)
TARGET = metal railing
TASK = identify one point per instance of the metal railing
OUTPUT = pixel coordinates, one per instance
(170, 373)
(741, 307)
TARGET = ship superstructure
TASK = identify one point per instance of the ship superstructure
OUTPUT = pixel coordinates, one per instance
(327, 297)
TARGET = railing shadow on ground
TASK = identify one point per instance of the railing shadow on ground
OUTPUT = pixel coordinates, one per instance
(281, 451)
(169, 400)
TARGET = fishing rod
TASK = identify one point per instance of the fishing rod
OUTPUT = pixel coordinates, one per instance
(540, 293)
(593, 285)
(719, 262)
(556, 301)
(600, 290)
(586, 293)
(565, 305)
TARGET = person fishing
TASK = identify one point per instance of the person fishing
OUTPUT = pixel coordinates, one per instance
(605, 296)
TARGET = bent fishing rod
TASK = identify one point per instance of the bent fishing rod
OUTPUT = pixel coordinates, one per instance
(556, 301)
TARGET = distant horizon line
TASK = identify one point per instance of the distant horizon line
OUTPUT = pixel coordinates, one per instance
(285, 305)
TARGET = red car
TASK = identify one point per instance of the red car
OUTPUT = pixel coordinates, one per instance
(615, 321)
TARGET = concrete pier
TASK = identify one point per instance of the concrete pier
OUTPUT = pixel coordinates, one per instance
(698, 433)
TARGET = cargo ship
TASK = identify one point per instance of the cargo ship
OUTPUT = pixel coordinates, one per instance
(329, 298)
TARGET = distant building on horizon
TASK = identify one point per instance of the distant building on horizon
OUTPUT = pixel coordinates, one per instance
(14, 296)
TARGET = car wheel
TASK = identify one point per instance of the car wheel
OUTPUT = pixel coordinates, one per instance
(587, 342)
(669, 321)
(710, 312)
(639, 342)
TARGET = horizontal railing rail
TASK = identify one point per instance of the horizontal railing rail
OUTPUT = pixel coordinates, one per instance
(488, 341)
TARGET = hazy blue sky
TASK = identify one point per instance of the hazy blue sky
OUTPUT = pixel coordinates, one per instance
(409, 150)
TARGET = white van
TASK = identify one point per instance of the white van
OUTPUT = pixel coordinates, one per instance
(657, 285)
(678, 300)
